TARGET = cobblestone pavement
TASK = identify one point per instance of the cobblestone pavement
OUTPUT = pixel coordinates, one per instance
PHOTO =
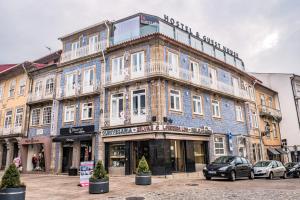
(63, 188)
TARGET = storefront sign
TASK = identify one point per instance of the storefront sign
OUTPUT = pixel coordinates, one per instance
(86, 170)
(158, 128)
(197, 35)
(77, 130)
(31, 141)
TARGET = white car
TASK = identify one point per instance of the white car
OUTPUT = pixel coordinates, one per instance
(269, 169)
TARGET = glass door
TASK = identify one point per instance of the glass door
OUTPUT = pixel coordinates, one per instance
(177, 155)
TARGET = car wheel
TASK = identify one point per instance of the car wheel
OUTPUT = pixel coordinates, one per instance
(271, 176)
(297, 175)
(207, 178)
(284, 176)
(251, 176)
(232, 176)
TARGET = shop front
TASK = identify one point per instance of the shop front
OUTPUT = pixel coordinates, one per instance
(168, 149)
(76, 145)
(276, 153)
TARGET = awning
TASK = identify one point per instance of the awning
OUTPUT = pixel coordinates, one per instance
(273, 151)
(281, 151)
(72, 138)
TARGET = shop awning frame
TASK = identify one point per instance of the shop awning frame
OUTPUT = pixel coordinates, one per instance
(72, 138)
(281, 151)
(273, 151)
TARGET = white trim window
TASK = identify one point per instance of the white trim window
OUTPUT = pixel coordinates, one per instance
(117, 108)
(118, 68)
(22, 85)
(275, 135)
(35, 116)
(88, 80)
(19, 117)
(270, 102)
(195, 70)
(212, 73)
(137, 64)
(175, 100)
(138, 108)
(254, 119)
(69, 114)
(173, 64)
(47, 112)
(262, 100)
(8, 119)
(12, 87)
(70, 84)
(1, 92)
(239, 113)
(49, 86)
(216, 108)
(38, 88)
(219, 144)
(197, 105)
(87, 111)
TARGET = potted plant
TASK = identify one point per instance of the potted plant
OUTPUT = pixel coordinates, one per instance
(99, 182)
(11, 187)
(143, 174)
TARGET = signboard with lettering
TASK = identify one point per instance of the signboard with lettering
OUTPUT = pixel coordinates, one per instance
(158, 128)
(77, 130)
(86, 170)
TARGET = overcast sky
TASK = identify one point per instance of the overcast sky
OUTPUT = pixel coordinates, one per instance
(266, 34)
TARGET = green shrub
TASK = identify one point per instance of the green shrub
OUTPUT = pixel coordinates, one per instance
(143, 166)
(11, 178)
(99, 172)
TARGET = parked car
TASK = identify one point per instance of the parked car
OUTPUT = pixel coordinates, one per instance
(292, 169)
(230, 167)
(269, 169)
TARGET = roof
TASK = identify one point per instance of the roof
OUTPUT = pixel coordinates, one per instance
(5, 67)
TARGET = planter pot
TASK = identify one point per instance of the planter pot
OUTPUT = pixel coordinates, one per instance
(98, 187)
(73, 172)
(13, 193)
(143, 179)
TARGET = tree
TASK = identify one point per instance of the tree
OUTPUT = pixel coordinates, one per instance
(143, 166)
(11, 178)
(99, 172)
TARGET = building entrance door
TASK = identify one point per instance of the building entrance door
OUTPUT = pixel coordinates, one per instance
(85, 151)
(177, 149)
(67, 158)
(4, 154)
(141, 148)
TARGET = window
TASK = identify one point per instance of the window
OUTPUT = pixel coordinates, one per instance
(118, 67)
(212, 73)
(239, 113)
(70, 83)
(215, 108)
(12, 87)
(262, 100)
(19, 117)
(270, 102)
(47, 115)
(195, 70)
(22, 85)
(138, 103)
(298, 89)
(38, 88)
(137, 63)
(69, 113)
(35, 116)
(274, 130)
(88, 77)
(49, 86)
(197, 105)
(87, 111)
(117, 106)
(175, 100)
(173, 63)
(219, 146)
(255, 120)
(1, 92)
(8, 119)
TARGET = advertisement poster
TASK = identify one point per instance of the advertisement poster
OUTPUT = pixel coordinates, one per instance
(86, 170)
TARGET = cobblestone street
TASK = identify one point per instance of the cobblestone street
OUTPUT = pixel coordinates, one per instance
(181, 187)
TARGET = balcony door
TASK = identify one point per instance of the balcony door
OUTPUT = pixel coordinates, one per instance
(74, 48)
(173, 64)
(93, 44)
(117, 110)
(138, 111)
(70, 84)
(38, 89)
(88, 80)
(195, 72)
(137, 64)
(213, 77)
(235, 83)
(118, 69)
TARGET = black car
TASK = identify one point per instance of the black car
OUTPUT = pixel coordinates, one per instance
(230, 167)
(293, 169)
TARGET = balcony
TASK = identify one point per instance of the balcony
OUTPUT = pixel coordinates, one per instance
(83, 51)
(265, 111)
(77, 91)
(125, 120)
(10, 130)
(160, 68)
(33, 97)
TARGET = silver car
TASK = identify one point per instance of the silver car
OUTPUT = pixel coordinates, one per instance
(269, 169)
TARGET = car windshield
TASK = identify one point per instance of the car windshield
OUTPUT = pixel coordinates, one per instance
(290, 164)
(262, 164)
(224, 160)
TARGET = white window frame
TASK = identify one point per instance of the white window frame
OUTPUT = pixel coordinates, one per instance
(197, 105)
(1, 92)
(173, 64)
(138, 69)
(12, 88)
(35, 120)
(239, 113)
(19, 117)
(86, 109)
(195, 71)
(212, 74)
(49, 86)
(22, 86)
(8, 119)
(70, 84)
(176, 96)
(220, 148)
(69, 113)
(275, 134)
(138, 115)
(254, 119)
(88, 81)
(216, 110)
(47, 115)
(118, 117)
(118, 69)
(38, 87)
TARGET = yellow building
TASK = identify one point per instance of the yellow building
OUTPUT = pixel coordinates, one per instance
(14, 85)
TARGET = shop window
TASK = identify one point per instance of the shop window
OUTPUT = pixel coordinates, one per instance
(137, 63)
(138, 103)
(175, 100)
(35, 116)
(19, 117)
(47, 115)
(199, 151)
(117, 155)
(87, 111)
(8, 119)
(49, 86)
(239, 113)
(22, 85)
(173, 64)
(12, 87)
(215, 108)
(219, 146)
(197, 105)
(118, 68)
(69, 114)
